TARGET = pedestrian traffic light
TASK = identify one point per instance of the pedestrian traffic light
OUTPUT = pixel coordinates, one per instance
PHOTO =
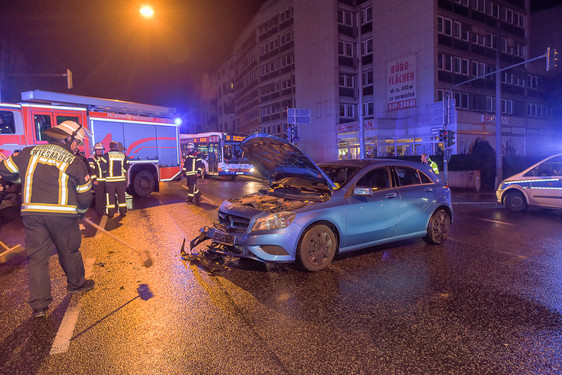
(450, 138)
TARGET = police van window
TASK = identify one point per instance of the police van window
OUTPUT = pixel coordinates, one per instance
(42, 123)
(552, 167)
(7, 125)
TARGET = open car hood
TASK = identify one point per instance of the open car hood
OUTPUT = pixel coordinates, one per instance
(275, 158)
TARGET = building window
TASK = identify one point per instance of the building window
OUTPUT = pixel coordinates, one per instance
(345, 49)
(366, 15)
(444, 26)
(347, 80)
(367, 47)
(507, 106)
(490, 104)
(345, 17)
(367, 78)
(462, 100)
(347, 111)
(368, 109)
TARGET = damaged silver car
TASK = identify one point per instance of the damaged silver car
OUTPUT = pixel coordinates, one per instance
(309, 213)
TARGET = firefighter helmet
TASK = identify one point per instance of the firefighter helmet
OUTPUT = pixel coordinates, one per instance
(65, 129)
(99, 146)
(190, 145)
(113, 145)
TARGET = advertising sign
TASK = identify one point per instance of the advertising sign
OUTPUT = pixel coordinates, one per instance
(401, 78)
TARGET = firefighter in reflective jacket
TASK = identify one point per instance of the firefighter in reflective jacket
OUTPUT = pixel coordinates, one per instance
(55, 193)
(98, 178)
(115, 164)
(192, 167)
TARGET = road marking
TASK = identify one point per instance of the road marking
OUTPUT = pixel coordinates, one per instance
(497, 222)
(102, 224)
(66, 329)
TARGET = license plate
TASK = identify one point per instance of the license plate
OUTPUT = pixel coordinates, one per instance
(224, 238)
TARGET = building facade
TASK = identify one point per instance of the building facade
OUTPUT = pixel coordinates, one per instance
(389, 64)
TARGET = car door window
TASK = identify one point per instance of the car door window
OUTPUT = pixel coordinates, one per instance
(424, 178)
(376, 179)
(407, 176)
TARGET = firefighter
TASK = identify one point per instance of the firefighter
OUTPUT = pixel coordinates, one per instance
(426, 160)
(192, 167)
(98, 178)
(115, 165)
(55, 194)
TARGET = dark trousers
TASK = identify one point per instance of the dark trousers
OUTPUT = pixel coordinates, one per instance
(100, 198)
(112, 189)
(41, 233)
(192, 190)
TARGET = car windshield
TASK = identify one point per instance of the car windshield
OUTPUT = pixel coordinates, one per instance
(339, 174)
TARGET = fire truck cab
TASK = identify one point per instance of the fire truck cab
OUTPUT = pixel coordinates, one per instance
(148, 134)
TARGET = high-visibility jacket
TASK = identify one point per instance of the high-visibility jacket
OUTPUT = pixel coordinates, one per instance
(192, 164)
(433, 165)
(114, 165)
(54, 181)
(95, 167)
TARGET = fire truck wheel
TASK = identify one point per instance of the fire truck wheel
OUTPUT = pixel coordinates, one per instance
(143, 184)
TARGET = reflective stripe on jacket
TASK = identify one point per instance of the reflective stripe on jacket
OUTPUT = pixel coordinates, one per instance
(192, 164)
(114, 165)
(54, 181)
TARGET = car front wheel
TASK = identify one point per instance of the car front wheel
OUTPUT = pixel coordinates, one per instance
(515, 201)
(438, 227)
(317, 248)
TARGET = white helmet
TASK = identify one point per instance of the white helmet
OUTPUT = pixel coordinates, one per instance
(99, 146)
(65, 129)
(190, 146)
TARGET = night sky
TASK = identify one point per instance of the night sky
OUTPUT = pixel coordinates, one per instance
(112, 51)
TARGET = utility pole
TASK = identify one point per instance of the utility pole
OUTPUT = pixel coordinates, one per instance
(499, 168)
(360, 86)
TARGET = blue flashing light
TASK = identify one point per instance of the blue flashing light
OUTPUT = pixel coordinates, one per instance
(178, 121)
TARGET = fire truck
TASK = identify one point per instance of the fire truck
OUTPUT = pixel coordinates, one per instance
(149, 134)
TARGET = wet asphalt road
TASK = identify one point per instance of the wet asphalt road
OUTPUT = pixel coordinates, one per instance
(488, 301)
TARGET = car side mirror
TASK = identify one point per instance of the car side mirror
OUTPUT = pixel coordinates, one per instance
(362, 191)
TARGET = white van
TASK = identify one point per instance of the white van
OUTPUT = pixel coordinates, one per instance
(539, 185)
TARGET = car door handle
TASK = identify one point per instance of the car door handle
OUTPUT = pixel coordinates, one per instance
(428, 189)
(390, 195)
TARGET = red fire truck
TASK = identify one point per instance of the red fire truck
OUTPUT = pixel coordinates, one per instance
(149, 134)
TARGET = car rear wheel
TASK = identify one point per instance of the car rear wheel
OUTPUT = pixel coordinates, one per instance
(438, 227)
(515, 201)
(317, 248)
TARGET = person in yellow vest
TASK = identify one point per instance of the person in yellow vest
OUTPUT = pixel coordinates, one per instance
(115, 164)
(426, 160)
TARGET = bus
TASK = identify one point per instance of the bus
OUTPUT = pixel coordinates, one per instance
(220, 152)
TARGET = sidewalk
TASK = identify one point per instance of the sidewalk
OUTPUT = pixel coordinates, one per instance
(471, 195)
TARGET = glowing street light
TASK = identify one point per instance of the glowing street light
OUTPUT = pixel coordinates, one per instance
(146, 11)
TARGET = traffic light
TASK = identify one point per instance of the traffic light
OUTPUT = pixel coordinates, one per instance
(450, 138)
(443, 135)
(551, 58)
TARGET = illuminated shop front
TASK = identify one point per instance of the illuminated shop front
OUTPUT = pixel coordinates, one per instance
(382, 140)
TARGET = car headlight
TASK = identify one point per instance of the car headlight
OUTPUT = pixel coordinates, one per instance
(278, 220)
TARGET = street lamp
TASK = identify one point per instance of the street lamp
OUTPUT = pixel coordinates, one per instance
(146, 11)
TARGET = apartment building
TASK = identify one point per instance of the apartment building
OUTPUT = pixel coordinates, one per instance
(388, 64)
